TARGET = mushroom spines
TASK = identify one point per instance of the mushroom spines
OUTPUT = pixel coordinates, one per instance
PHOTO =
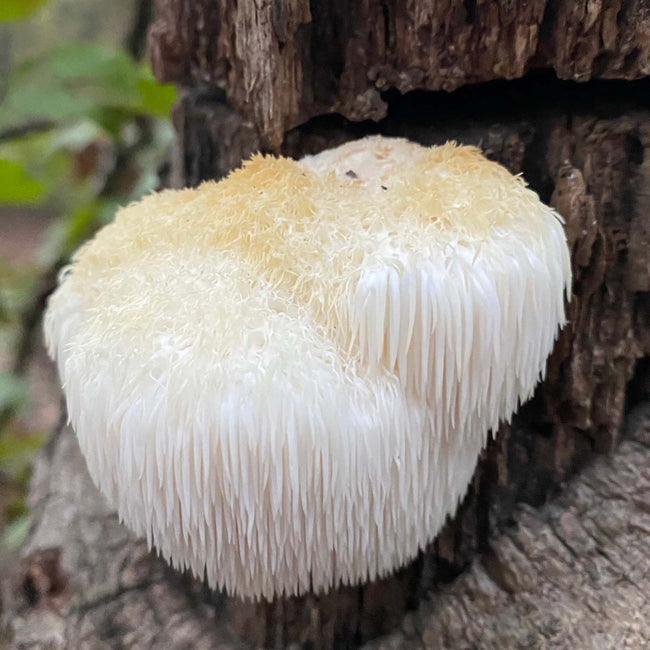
(285, 378)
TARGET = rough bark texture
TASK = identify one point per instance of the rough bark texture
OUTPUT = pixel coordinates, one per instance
(284, 61)
(571, 575)
(254, 72)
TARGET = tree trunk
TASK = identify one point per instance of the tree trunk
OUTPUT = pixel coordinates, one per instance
(295, 77)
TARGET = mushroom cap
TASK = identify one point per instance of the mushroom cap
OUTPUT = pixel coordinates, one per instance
(284, 380)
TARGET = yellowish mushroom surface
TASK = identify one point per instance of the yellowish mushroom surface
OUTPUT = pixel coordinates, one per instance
(285, 378)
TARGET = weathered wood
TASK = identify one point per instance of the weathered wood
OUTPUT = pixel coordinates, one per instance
(285, 61)
(571, 575)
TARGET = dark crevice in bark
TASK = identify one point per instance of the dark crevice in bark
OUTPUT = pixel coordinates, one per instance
(638, 388)
(431, 117)
(537, 94)
(470, 11)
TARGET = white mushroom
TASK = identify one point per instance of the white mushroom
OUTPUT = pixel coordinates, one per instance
(285, 379)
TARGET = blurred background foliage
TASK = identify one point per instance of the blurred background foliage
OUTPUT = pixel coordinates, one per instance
(84, 129)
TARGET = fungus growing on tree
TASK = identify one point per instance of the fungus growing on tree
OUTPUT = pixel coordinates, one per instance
(285, 379)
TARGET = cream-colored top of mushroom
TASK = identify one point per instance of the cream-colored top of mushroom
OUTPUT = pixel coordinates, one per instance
(285, 378)
(344, 252)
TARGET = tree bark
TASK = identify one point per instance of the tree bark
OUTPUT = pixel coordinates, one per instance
(295, 77)
(573, 574)
(285, 61)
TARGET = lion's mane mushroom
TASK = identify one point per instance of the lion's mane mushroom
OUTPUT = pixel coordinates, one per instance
(285, 379)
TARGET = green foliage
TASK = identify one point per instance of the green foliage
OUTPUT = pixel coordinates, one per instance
(83, 81)
(155, 98)
(16, 185)
(16, 453)
(83, 129)
(16, 286)
(11, 10)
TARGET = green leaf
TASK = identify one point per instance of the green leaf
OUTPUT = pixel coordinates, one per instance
(16, 185)
(82, 80)
(157, 98)
(17, 452)
(11, 10)
(19, 445)
(80, 225)
(71, 82)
